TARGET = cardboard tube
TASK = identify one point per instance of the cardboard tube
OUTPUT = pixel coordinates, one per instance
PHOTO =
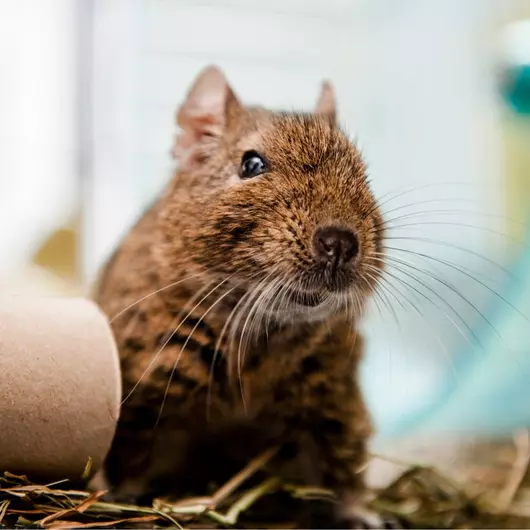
(60, 387)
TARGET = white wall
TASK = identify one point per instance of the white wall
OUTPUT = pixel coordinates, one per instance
(38, 143)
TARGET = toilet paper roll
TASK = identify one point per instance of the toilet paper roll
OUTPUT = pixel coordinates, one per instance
(60, 387)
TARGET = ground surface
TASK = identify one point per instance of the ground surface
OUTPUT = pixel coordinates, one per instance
(475, 484)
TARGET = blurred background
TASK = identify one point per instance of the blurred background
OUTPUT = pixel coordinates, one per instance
(437, 94)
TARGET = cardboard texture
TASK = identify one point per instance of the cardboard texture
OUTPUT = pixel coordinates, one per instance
(60, 387)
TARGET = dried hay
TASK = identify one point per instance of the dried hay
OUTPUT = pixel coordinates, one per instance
(420, 497)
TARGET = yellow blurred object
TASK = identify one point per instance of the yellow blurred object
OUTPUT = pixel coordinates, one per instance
(516, 137)
(58, 253)
(54, 268)
(514, 85)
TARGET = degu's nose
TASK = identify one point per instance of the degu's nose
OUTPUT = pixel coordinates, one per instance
(335, 245)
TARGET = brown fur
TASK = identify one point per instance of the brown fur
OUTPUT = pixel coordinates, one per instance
(274, 374)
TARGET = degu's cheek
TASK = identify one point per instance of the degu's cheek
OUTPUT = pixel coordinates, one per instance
(274, 255)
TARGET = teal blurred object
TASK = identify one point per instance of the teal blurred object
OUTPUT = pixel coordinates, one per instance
(516, 89)
(489, 389)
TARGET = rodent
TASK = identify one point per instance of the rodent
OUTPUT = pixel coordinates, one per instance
(244, 281)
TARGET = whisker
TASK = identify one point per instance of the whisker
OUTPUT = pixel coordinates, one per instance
(451, 223)
(274, 306)
(281, 296)
(442, 273)
(280, 301)
(376, 298)
(392, 287)
(454, 267)
(153, 293)
(381, 283)
(131, 324)
(410, 189)
(253, 300)
(218, 348)
(386, 301)
(460, 295)
(157, 354)
(428, 201)
(447, 211)
(258, 314)
(349, 306)
(438, 296)
(456, 247)
(183, 348)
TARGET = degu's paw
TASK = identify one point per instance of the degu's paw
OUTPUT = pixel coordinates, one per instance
(129, 492)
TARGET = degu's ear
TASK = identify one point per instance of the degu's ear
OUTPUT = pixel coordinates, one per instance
(326, 102)
(207, 111)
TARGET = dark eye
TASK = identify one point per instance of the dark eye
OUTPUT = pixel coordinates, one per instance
(252, 165)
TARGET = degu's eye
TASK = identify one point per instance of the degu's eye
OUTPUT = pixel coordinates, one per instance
(252, 165)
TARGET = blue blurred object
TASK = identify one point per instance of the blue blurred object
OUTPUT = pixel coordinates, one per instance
(488, 389)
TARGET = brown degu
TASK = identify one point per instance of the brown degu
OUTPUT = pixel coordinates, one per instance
(235, 300)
